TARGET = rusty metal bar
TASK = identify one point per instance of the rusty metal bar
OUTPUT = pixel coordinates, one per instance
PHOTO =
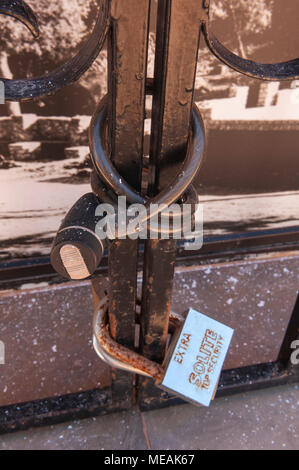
(159, 259)
(127, 62)
(175, 66)
(178, 28)
(119, 356)
(127, 75)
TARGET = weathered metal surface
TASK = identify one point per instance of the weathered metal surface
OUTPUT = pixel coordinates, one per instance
(256, 298)
(159, 259)
(254, 377)
(177, 39)
(127, 60)
(244, 295)
(27, 88)
(118, 356)
(178, 28)
(122, 268)
(115, 354)
(22, 12)
(56, 410)
(127, 45)
(47, 335)
(211, 289)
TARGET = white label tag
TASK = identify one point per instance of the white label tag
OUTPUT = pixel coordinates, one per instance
(195, 365)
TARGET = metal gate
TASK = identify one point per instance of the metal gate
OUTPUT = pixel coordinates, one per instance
(180, 25)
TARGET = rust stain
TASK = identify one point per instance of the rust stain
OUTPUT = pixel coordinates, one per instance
(122, 353)
(113, 324)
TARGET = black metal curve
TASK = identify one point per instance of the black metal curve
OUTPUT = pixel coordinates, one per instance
(24, 89)
(22, 12)
(279, 71)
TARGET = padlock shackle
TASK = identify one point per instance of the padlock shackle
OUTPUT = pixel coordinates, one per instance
(120, 357)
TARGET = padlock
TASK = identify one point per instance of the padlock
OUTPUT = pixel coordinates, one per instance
(77, 249)
(193, 362)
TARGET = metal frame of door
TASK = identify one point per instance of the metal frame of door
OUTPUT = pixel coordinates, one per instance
(179, 26)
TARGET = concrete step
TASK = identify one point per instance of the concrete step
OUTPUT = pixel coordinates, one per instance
(54, 128)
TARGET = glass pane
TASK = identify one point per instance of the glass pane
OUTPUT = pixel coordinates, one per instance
(249, 180)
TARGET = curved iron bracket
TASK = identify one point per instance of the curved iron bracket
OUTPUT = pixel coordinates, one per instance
(72, 70)
(22, 12)
(279, 71)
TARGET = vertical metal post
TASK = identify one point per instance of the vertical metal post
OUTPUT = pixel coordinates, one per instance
(178, 27)
(127, 63)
